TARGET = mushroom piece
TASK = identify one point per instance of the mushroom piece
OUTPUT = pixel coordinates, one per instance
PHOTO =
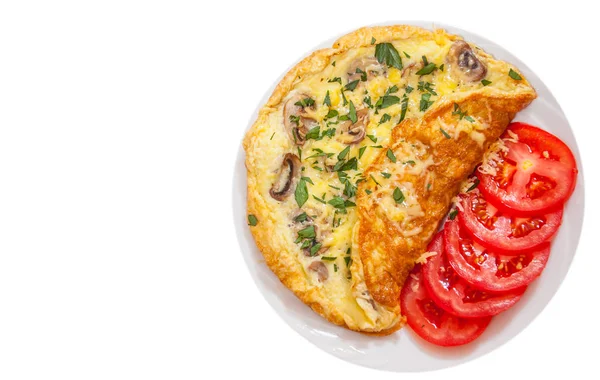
(365, 65)
(320, 269)
(353, 133)
(298, 224)
(289, 173)
(464, 64)
(298, 117)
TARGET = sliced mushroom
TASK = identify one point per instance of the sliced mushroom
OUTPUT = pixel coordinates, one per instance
(289, 173)
(299, 119)
(464, 64)
(365, 65)
(353, 133)
(320, 269)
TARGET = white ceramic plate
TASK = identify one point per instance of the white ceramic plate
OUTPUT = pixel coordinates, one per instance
(404, 351)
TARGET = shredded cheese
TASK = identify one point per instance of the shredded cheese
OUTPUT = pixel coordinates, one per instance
(423, 258)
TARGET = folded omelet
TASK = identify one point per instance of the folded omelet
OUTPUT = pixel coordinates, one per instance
(357, 155)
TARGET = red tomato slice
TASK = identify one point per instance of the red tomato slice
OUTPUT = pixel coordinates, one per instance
(505, 233)
(489, 270)
(535, 176)
(432, 323)
(457, 296)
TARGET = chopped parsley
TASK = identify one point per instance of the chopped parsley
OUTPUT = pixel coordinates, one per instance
(327, 100)
(315, 248)
(336, 79)
(328, 258)
(387, 101)
(352, 85)
(387, 53)
(374, 180)
(426, 87)
(301, 193)
(486, 82)
(386, 117)
(352, 113)
(474, 185)
(386, 175)
(252, 221)
(446, 135)
(427, 69)
(361, 151)
(452, 214)
(301, 218)
(319, 199)
(313, 133)
(307, 233)
(343, 153)
(425, 102)
(398, 195)
(406, 54)
(404, 108)
(391, 155)
(372, 138)
(514, 75)
(306, 102)
(373, 40)
(272, 136)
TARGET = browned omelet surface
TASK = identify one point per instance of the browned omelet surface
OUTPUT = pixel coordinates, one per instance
(357, 155)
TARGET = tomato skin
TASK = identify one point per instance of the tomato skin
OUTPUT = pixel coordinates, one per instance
(499, 238)
(563, 170)
(485, 276)
(449, 291)
(444, 329)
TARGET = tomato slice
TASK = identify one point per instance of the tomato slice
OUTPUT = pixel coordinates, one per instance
(455, 295)
(432, 323)
(505, 233)
(536, 175)
(489, 270)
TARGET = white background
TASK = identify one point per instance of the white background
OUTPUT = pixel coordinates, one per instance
(119, 126)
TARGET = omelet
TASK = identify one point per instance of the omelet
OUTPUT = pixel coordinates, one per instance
(356, 157)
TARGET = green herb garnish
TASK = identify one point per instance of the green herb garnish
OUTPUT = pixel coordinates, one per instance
(252, 221)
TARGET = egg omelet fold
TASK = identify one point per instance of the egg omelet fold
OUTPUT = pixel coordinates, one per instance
(356, 157)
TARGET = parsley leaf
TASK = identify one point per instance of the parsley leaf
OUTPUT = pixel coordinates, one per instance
(313, 133)
(301, 193)
(425, 102)
(252, 221)
(398, 196)
(361, 151)
(486, 82)
(404, 108)
(514, 75)
(452, 214)
(373, 40)
(385, 118)
(343, 153)
(352, 113)
(352, 85)
(372, 138)
(446, 135)
(387, 101)
(386, 52)
(307, 233)
(301, 218)
(315, 248)
(336, 79)
(386, 175)
(391, 155)
(306, 102)
(427, 69)
(327, 100)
